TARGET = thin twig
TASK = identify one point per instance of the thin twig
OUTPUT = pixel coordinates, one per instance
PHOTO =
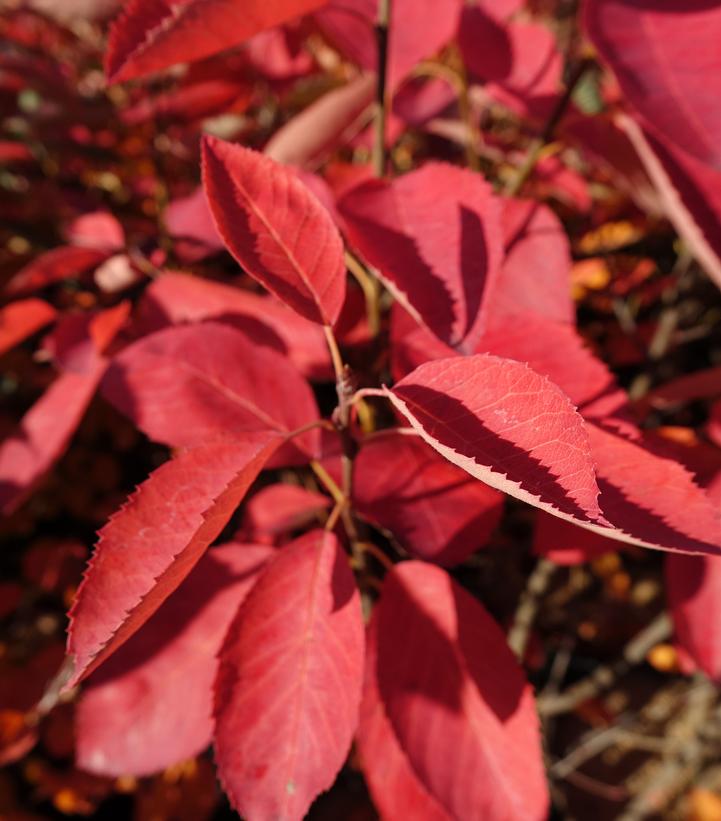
(527, 608)
(605, 675)
(382, 36)
(537, 146)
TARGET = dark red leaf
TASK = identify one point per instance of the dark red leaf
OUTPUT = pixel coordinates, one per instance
(150, 706)
(151, 35)
(667, 60)
(21, 319)
(434, 509)
(276, 229)
(434, 236)
(457, 699)
(153, 542)
(182, 385)
(289, 684)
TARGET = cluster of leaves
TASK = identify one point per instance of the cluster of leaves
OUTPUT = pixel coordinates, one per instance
(348, 411)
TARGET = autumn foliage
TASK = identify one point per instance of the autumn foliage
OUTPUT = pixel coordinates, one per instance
(373, 347)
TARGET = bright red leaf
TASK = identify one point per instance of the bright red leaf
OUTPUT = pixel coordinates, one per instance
(21, 319)
(289, 684)
(434, 509)
(667, 60)
(434, 236)
(507, 426)
(150, 35)
(153, 542)
(54, 266)
(150, 706)
(182, 385)
(457, 699)
(276, 229)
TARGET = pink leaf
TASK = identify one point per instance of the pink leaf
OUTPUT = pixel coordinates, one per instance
(507, 426)
(150, 35)
(434, 509)
(97, 229)
(276, 229)
(467, 724)
(289, 685)
(667, 60)
(693, 586)
(182, 385)
(21, 319)
(150, 706)
(190, 224)
(153, 542)
(395, 788)
(279, 509)
(176, 298)
(434, 237)
(318, 129)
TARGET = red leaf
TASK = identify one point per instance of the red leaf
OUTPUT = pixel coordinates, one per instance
(190, 224)
(150, 705)
(289, 684)
(44, 433)
(154, 541)
(467, 725)
(507, 426)
(693, 584)
(97, 229)
(276, 229)
(54, 266)
(21, 319)
(182, 385)
(520, 62)
(433, 508)
(279, 509)
(175, 298)
(667, 60)
(419, 29)
(651, 498)
(311, 135)
(151, 35)
(556, 351)
(536, 271)
(690, 194)
(565, 544)
(394, 786)
(434, 237)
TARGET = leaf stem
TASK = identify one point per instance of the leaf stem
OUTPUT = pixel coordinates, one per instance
(382, 30)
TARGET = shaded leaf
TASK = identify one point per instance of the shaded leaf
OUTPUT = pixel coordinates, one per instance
(468, 727)
(289, 684)
(434, 509)
(150, 705)
(395, 788)
(175, 298)
(182, 385)
(54, 266)
(150, 35)
(276, 229)
(434, 236)
(279, 509)
(667, 60)
(153, 542)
